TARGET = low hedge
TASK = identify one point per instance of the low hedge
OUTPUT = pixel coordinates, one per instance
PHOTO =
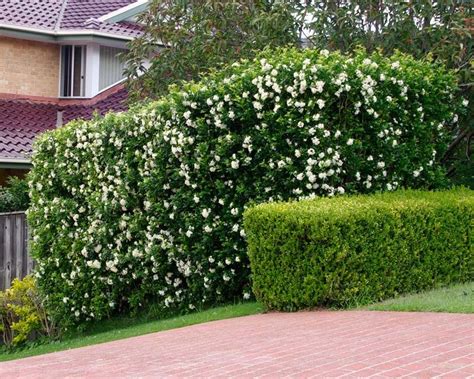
(357, 249)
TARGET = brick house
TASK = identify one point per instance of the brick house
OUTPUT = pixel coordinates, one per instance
(58, 62)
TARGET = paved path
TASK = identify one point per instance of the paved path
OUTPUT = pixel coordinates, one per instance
(306, 344)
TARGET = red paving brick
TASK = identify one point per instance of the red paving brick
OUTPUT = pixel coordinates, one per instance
(299, 345)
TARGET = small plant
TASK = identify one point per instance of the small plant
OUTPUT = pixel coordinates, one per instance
(22, 314)
(14, 196)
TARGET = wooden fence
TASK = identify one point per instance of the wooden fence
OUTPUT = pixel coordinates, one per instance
(14, 259)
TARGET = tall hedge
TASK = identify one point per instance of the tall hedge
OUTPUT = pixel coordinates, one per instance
(148, 204)
(359, 249)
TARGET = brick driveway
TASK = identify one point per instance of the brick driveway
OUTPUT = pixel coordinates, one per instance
(320, 344)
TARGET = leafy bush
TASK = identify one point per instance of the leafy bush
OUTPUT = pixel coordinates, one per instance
(22, 314)
(148, 204)
(14, 196)
(358, 249)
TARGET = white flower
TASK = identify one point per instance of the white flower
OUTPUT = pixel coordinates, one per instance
(465, 102)
(207, 229)
(246, 296)
(205, 212)
(234, 211)
(395, 65)
(320, 103)
(93, 264)
(234, 164)
(350, 141)
(136, 253)
(381, 164)
(297, 153)
(257, 105)
(324, 52)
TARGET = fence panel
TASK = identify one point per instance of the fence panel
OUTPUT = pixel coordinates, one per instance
(14, 259)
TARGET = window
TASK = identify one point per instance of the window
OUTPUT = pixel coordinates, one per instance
(73, 64)
(111, 66)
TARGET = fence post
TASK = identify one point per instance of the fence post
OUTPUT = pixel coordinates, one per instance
(8, 253)
(15, 261)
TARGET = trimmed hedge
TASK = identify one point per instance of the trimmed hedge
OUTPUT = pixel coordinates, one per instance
(358, 249)
(146, 206)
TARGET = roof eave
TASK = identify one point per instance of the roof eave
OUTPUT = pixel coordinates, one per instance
(126, 12)
(61, 35)
(15, 163)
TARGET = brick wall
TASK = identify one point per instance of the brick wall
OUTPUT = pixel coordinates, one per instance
(29, 67)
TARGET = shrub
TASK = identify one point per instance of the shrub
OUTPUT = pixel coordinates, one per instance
(359, 249)
(148, 204)
(22, 314)
(14, 196)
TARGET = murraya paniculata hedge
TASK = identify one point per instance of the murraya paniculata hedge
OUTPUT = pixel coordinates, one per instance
(359, 249)
(147, 205)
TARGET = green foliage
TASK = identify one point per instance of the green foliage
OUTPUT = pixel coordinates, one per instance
(359, 249)
(201, 35)
(22, 314)
(14, 196)
(147, 205)
(440, 29)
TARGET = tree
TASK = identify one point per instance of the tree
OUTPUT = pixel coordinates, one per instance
(201, 35)
(441, 30)
(185, 38)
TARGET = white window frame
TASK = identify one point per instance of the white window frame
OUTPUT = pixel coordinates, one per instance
(83, 73)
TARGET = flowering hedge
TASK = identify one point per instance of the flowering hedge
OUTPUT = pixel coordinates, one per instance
(148, 204)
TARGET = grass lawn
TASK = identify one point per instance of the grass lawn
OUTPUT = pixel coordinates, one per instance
(124, 327)
(454, 299)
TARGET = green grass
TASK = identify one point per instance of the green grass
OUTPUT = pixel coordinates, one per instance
(454, 299)
(124, 327)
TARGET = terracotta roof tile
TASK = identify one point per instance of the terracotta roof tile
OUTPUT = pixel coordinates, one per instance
(22, 120)
(62, 15)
